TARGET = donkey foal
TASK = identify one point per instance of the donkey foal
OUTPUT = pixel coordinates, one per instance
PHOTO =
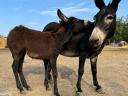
(39, 45)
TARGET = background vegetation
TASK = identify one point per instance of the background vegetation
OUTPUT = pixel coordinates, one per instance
(121, 33)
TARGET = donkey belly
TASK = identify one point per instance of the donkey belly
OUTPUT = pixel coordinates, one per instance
(38, 54)
(34, 55)
(70, 53)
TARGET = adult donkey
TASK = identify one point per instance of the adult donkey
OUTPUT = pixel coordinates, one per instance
(89, 41)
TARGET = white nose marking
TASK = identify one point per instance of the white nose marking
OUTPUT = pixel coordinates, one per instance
(98, 34)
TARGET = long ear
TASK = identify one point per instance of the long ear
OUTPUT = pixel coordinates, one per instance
(114, 4)
(100, 3)
(62, 16)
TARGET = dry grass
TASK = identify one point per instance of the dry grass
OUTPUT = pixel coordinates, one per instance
(112, 75)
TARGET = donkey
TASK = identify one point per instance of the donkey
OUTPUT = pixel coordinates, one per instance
(90, 40)
(38, 45)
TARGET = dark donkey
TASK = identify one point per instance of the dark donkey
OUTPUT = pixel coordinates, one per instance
(89, 41)
(38, 45)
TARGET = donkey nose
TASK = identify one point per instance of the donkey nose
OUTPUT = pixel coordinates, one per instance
(96, 40)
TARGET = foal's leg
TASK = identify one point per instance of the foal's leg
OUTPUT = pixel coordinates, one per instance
(20, 70)
(94, 72)
(17, 78)
(47, 73)
(46, 62)
(80, 72)
(54, 73)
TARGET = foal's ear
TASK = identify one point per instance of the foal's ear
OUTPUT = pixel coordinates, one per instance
(100, 4)
(62, 16)
(114, 4)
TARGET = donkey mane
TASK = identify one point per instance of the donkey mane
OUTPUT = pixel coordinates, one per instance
(20, 27)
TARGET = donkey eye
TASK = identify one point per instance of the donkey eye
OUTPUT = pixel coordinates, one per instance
(110, 17)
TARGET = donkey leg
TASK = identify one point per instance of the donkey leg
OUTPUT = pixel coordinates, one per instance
(80, 72)
(46, 62)
(49, 70)
(20, 71)
(94, 72)
(47, 74)
(17, 78)
(46, 77)
(54, 73)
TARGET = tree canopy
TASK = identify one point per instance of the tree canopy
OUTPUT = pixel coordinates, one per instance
(121, 33)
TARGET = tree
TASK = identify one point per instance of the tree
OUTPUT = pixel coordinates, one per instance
(121, 33)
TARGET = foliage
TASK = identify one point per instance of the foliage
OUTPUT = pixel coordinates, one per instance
(121, 33)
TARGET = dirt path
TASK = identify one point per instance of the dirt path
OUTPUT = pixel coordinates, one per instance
(112, 75)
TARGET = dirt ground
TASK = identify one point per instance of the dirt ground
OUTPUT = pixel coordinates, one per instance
(112, 75)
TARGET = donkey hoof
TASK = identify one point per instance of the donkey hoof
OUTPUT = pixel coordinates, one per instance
(47, 88)
(29, 88)
(57, 94)
(100, 91)
(22, 92)
(78, 93)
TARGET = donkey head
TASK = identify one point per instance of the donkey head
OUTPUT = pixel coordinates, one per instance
(73, 26)
(76, 25)
(105, 21)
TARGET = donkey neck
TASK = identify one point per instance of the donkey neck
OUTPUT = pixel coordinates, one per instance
(60, 34)
(63, 35)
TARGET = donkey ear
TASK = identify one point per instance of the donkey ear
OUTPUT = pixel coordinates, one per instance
(62, 16)
(100, 3)
(114, 4)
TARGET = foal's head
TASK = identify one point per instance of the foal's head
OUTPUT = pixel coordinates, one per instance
(105, 21)
(76, 25)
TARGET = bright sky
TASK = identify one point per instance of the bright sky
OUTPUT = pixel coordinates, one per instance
(36, 14)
